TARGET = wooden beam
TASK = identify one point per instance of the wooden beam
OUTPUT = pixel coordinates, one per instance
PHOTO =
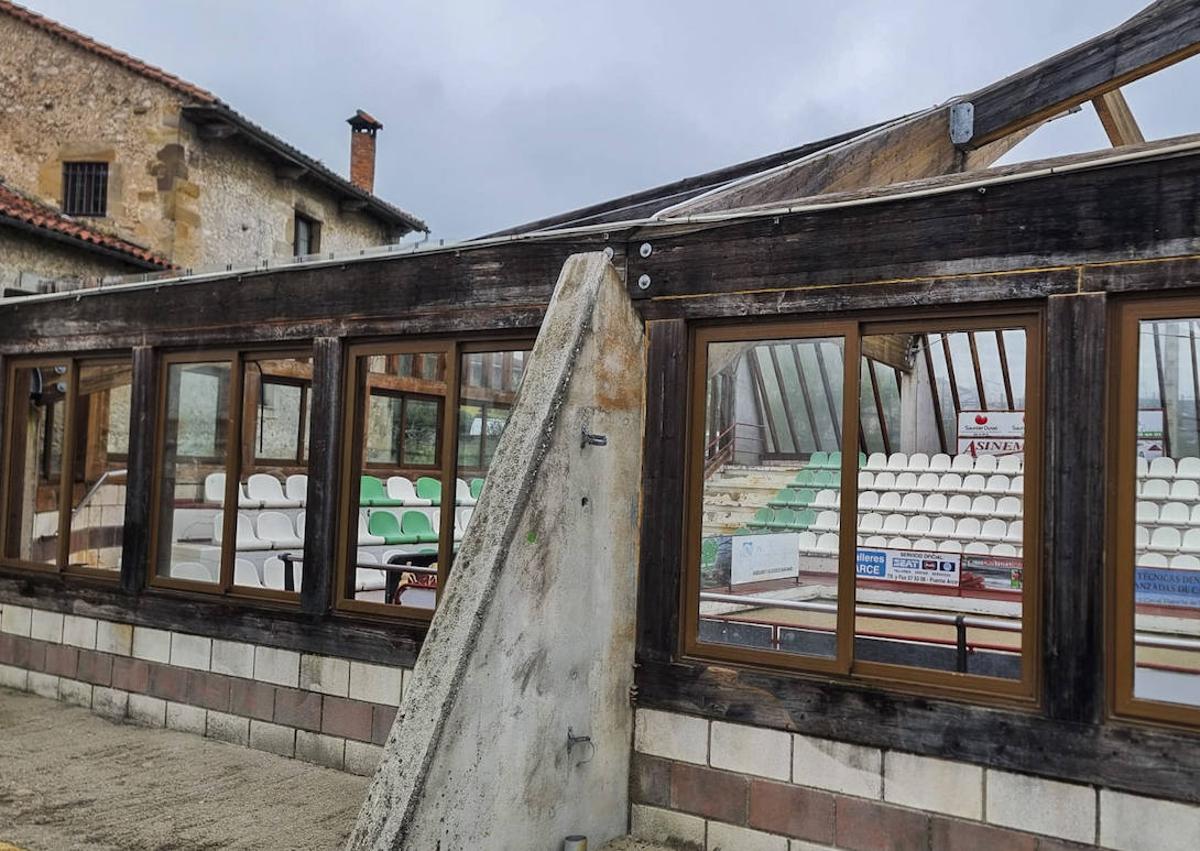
(1162, 34)
(1118, 119)
(290, 171)
(143, 411)
(324, 464)
(217, 130)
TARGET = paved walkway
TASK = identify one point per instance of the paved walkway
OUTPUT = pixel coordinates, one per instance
(71, 781)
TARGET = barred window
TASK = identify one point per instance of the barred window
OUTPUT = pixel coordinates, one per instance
(85, 189)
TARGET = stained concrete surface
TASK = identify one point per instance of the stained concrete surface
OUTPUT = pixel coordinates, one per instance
(71, 781)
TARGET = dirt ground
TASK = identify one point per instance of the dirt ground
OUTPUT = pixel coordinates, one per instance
(70, 780)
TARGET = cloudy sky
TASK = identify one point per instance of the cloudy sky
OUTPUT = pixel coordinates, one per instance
(500, 111)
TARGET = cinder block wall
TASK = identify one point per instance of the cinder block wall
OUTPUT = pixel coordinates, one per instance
(707, 785)
(322, 709)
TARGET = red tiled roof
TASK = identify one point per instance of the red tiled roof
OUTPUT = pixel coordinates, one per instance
(90, 44)
(40, 217)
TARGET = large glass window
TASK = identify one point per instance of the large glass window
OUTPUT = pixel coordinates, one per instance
(232, 484)
(1157, 512)
(392, 546)
(859, 497)
(64, 491)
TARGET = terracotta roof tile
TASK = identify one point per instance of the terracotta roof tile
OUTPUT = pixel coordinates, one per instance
(21, 209)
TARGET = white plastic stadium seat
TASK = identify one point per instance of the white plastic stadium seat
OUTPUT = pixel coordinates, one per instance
(939, 463)
(913, 503)
(876, 541)
(1152, 560)
(462, 493)
(1017, 486)
(950, 483)
(962, 464)
(906, 481)
(277, 529)
(877, 461)
(974, 483)
(950, 547)
(986, 464)
(993, 530)
(899, 544)
(273, 574)
(983, 506)
(1185, 562)
(935, 503)
(1147, 513)
(245, 573)
(977, 548)
(826, 521)
(996, 485)
(1187, 468)
(959, 504)
(1165, 539)
(827, 544)
(366, 579)
(1162, 468)
(884, 481)
(866, 480)
(895, 524)
(1143, 467)
(827, 498)
(897, 462)
(1174, 514)
(925, 545)
(402, 489)
(1009, 506)
(890, 501)
(942, 527)
(918, 462)
(365, 538)
(267, 490)
(1190, 544)
(918, 526)
(808, 542)
(1009, 465)
(928, 482)
(1016, 532)
(1006, 550)
(297, 488)
(194, 571)
(871, 523)
(214, 489)
(1185, 490)
(1156, 489)
(868, 500)
(967, 529)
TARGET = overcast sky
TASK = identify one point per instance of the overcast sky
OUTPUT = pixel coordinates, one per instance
(500, 111)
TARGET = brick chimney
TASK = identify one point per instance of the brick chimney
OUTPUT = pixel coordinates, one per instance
(363, 128)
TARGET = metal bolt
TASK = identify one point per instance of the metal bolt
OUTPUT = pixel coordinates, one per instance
(644, 282)
(646, 250)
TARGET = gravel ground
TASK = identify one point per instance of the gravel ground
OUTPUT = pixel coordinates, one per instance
(71, 781)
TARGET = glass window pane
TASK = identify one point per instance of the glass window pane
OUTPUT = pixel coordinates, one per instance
(991, 369)
(37, 425)
(102, 422)
(1167, 537)
(769, 535)
(482, 417)
(192, 472)
(273, 481)
(942, 537)
(399, 494)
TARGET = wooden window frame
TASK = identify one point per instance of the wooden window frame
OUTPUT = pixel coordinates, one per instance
(66, 475)
(314, 234)
(232, 467)
(346, 537)
(404, 396)
(1024, 691)
(305, 388)
(1120, 570)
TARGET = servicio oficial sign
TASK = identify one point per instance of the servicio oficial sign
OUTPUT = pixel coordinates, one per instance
(920, 568)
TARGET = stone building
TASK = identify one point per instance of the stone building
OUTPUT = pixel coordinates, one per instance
(145, 157)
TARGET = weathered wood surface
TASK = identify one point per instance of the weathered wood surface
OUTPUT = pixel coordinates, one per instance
(1117, 118)
(663, 489)
(1143, 209)
(1073, 508)
(325, 448)
(490, 288)
(139, 488)
(1117, 756)
(1162, 34)
(257, 622)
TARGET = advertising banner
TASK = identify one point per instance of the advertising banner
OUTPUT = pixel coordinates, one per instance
(1161, 586)
(993, 573)
(757, 558)
(1150, 436)
(991, 433)
(919, 568)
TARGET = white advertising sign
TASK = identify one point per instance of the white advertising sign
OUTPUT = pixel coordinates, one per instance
(1150, 443)
(757, 558)
(921, 568)
(991, 433)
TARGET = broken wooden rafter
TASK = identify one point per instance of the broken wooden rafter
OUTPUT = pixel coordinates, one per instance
(1118, 119)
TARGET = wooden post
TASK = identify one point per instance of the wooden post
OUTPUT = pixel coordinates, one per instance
(663, 489)
(1073, 508)
(136, 557)
(325, 452)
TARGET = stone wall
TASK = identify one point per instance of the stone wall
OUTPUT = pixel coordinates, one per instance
(24, 252)
(707, 785)
(197, 202)
(323, 709)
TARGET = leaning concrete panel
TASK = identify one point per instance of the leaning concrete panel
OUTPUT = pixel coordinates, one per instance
(534, 635)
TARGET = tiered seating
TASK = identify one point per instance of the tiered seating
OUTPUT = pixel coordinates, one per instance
(1168, 513)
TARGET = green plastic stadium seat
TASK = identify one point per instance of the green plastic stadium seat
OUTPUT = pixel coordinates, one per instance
(804, 519)
(804, 479)
(415, 524)
(708, 551)
(786, 498)
(785, 518)
(762, 517)
(818, 461)
(371, 492)
(805, 497)
(835, 461)
(742, 531)
(385, 524)
(825, 479)
(430, 489)
(476, 487)
(862, 460)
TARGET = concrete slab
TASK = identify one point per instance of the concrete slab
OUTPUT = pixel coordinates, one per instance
(534, 637)
(71, 781)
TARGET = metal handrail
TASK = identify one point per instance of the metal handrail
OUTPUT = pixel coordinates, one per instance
(104, 477)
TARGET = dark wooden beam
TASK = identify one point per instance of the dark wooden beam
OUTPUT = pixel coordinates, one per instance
(217, 130)
(143, 405)
(352, 205)
(1073, 509)
(1046, 224)
(1119, 122)
(290, 171)
(1160, 35)
(661, 558)
(325, 452)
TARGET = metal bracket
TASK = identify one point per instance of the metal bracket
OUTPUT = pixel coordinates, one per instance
(962, 122)
(574, 741)
(588, 439)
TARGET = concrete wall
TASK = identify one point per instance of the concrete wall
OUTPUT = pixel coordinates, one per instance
(534, 635)
(198, 202)
(322, 709)
(703, 785)
(23, 252)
